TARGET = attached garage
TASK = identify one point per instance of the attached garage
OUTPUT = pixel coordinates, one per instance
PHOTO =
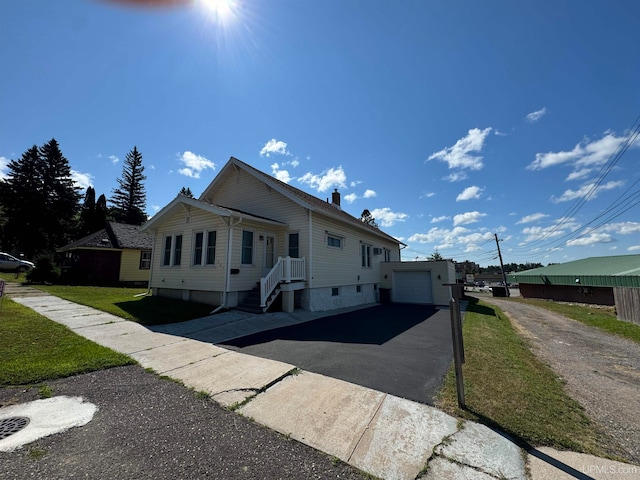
(412, 287)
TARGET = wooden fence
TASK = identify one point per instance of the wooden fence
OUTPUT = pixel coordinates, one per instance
(627, 302)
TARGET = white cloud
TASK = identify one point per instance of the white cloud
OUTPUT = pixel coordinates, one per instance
(584, 157)
(461, 154)
(534, 217)
(467, 217)
(537, 115)
(590, 190)
(4, 163)
(274, 146)
(194, 164)
(440, 219)
(350, 198)
(622, 228)
(332, 178)
(540, 233)
(81, 180)
(444, 238)
(114, 159)
(369, 193)
(633, 248)
(591, 239)
(456, 177)
(579, 174)
(470, 193)
(282, 175)
(386, 218)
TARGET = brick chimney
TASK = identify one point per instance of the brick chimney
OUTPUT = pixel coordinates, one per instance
(335, 198)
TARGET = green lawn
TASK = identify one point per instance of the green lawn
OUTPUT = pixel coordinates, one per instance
(123, 302)
(507, 387)
(602, 318)
(35, 348)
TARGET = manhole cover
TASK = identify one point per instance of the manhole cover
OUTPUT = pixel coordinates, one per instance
(11, 425)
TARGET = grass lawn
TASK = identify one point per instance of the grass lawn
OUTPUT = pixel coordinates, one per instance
(604, 319)
(508, 388)
(122, 302)
(35, 348)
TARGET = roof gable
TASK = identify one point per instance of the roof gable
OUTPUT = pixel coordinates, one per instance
(296, 195)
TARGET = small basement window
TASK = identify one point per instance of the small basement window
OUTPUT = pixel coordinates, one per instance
(334, 241)
(335, 291)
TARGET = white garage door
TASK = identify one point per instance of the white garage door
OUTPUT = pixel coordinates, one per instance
(412, 287)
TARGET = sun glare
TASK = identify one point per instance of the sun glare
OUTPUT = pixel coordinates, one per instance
(222, 11)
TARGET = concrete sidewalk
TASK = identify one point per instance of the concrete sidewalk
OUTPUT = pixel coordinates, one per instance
(383, 435)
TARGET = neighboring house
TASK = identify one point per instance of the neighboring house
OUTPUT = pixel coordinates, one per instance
(250, 240)
(117, 254)
(596, 280)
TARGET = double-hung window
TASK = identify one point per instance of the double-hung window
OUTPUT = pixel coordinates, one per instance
(172, 251)
(204, 248)
(247, 247)
(294, 245)
(145, 260)
(365, 254)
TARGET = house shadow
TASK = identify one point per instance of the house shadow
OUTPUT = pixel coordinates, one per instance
(371, 326)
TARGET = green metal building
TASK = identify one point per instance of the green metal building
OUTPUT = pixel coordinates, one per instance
(596, 280)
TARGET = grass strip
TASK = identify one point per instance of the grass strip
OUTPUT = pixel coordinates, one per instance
(602, 318)
(35, 348)
(122, 302)
(507, 387)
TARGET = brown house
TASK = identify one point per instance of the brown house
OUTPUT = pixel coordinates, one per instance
(117, 254)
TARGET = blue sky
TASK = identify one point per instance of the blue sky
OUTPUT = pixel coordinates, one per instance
(449, 120)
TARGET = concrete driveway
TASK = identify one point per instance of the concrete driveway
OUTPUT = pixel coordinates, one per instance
(403, 350)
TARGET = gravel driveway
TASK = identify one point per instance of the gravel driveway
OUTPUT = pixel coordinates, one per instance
(602, 371)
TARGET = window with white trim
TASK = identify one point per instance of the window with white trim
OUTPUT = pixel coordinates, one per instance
(172, 251)
(294, 245)
(387, 254)
(247, 247)
(334, 241)
(204, 248)
(145, 260)
(365, 254)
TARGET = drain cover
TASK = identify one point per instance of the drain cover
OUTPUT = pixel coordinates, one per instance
(11, 425)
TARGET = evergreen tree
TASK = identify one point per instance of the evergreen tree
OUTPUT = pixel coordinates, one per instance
(39, 201)
(129, 199)
(367, 218)
(87, 214)
(61, 196)
(186, 191)
(101, 213)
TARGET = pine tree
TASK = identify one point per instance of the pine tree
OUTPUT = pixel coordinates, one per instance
(186, 191)
(101, 213)
(129, 199)
(61, 195)
(39, 201)
(367, 218)
(87, 213)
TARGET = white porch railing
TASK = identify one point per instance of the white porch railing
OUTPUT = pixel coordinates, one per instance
(286, 270)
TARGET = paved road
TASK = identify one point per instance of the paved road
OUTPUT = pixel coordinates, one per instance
(602, 371)
(150, 428)
(403, 350)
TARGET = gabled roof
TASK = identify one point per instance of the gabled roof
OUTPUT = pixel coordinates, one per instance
(298, 196)
(183, 203)
(114, 236)
(620, 270)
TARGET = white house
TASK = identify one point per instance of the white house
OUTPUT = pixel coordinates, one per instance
(250, 240)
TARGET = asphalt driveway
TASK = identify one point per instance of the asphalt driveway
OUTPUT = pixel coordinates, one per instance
(403, 350)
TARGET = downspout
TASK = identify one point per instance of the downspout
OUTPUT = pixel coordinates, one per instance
(153, 244)
(227, 275)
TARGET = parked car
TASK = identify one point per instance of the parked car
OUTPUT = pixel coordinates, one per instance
(9, 263)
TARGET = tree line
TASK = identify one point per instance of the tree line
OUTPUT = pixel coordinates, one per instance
(41, 208)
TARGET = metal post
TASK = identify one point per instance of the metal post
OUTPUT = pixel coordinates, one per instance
(458, 348)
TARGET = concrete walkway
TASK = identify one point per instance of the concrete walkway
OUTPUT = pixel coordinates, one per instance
(387, 436)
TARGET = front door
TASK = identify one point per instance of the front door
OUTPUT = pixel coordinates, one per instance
(269, 253)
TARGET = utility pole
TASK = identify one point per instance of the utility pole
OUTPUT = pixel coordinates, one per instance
(504, 277)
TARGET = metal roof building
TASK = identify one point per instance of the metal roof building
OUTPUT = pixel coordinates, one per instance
(597, 280)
